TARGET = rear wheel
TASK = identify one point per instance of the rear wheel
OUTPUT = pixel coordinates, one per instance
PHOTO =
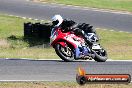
(65, 53)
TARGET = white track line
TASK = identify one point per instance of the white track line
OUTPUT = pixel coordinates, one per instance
(36, 19)
(127, 32)
(104, 29)
(86, 8)
(30, 18)
(111, 30)
(50, 21)
(109, 60)
(121, 60)
(121, 31)
(24, 18)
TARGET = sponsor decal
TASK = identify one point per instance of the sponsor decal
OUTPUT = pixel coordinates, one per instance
(83, 78)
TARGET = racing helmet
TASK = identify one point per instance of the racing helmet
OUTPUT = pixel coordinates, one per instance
(57, 20)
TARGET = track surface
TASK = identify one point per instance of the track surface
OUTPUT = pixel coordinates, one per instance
(56, 70)
(100, 19)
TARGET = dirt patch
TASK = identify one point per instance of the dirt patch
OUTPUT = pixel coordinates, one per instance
(61, 85)
(4, 43)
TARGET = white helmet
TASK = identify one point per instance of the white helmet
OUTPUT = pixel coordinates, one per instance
(57, 20)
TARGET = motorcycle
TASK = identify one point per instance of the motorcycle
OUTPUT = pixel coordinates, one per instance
(70, 47)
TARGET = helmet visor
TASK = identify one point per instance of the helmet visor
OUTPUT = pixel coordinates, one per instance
(55, 22)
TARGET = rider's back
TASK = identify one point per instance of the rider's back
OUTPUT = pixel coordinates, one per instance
(67, 25)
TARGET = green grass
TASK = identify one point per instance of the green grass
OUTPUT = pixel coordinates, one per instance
(125, 5)
(118, 45)
(14, 45)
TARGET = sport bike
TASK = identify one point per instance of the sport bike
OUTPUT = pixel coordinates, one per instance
(70, 47)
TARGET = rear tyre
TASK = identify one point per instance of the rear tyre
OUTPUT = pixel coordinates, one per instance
(65, 53)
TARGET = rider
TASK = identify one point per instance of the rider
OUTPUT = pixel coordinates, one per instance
(69, 25)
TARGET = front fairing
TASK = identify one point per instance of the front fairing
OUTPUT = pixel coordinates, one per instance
(57, 35)
(54, 35)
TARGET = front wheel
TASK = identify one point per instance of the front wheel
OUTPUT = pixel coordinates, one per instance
(100, 55)
(65, 53)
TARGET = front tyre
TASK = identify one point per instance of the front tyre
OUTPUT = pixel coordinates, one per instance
(100, 55)
(65, 53)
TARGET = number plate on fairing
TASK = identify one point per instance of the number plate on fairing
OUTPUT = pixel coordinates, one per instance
(74, 39)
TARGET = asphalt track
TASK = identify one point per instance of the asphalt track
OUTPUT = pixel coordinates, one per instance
(57, 70)
(116, 21)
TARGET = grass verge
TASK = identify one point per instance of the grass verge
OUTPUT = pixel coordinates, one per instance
(59, 85)
(14, 45)
(117, 44)
(124, 5)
